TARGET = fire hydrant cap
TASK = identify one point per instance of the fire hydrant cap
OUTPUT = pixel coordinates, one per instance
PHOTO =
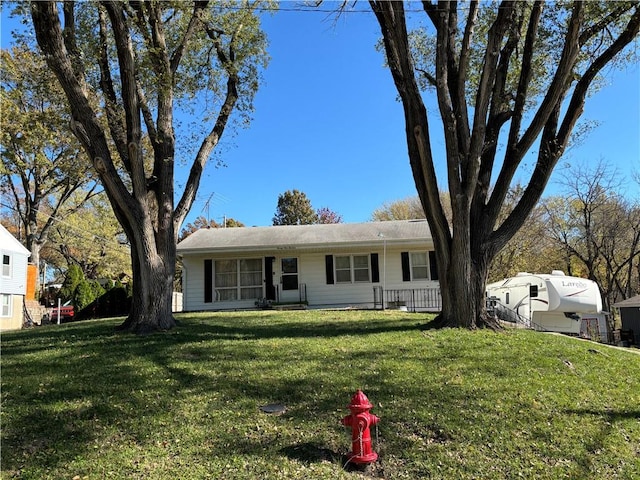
(360, 401)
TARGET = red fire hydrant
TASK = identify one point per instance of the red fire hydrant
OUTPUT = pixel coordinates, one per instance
(360, 420)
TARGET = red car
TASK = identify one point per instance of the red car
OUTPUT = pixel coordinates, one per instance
(66, 314)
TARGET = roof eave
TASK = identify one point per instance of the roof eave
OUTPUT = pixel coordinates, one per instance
(305, 246)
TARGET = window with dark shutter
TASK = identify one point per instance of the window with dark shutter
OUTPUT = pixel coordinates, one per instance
(208, 281)
(328, 261)
(406, 267)
(375, 268)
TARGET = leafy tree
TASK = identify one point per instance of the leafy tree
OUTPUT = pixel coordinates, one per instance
(73, 278)
(408, 208)
(294, 208)
(128, 69)
(326, 215)
(44, 171)
(90, 237)
(508, 77)
(83, 295)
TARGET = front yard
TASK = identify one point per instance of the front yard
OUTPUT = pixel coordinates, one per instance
(80, 401)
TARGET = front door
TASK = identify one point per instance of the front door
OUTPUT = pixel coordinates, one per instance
(289, 279)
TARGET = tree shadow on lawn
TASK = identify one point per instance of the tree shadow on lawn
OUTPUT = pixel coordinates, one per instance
(54, 418)
(598, 443)
(83, 380)
(242, 327)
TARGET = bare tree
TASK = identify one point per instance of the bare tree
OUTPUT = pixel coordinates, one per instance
(508, 78)
(598, 229)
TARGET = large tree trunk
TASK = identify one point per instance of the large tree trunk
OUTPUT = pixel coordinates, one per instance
(152, 291)
(462, 288)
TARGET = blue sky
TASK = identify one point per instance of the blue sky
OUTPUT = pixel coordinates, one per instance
(327, 122)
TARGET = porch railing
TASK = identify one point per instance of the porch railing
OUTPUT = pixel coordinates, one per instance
(413, 299)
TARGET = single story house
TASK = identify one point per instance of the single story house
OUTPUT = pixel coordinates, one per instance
(363, 265)
(13, 281)
(630, 317)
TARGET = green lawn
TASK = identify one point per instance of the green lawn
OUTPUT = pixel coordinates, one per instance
(81, 401)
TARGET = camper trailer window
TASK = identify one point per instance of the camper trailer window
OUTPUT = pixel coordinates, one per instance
(533, 291)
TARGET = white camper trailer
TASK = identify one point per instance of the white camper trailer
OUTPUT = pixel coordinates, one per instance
(552, 302)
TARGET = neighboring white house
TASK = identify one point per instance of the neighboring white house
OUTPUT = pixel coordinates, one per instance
(329, 265)
(13, 281)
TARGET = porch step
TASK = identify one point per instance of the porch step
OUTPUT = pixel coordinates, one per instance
(36, 310)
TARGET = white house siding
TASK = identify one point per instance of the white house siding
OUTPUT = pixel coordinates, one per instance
(16, 284)
(13, 287)
(311, 272)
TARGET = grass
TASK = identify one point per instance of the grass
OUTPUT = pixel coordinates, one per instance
(80, 401)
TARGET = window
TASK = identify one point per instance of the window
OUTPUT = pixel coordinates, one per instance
(289, 273)
(352, 268)
(419, 266)
(6, 266)
(5, 305)
(238, 279)
(343, 269)
(361, 268)
(226, 280)
(250, 278)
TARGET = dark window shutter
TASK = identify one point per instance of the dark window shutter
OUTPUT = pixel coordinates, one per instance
(375, 268)
(328, 262)
(406, 268)
(208, 281)
(433, 266)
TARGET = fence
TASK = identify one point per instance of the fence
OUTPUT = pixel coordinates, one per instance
(413, 300)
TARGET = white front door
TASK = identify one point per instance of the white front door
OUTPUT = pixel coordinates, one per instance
(289, 284)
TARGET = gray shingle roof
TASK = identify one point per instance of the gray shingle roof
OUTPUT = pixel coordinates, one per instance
(629, 302)
(305, 236)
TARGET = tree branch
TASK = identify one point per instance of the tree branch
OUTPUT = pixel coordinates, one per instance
(124, 49)
(597, 27)
(390, 16)
(558, 85)
(49, 36)
(116, 126)
(506, 11)
(501, 188)
(198, 10)
(207, 146)
(576, 105)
